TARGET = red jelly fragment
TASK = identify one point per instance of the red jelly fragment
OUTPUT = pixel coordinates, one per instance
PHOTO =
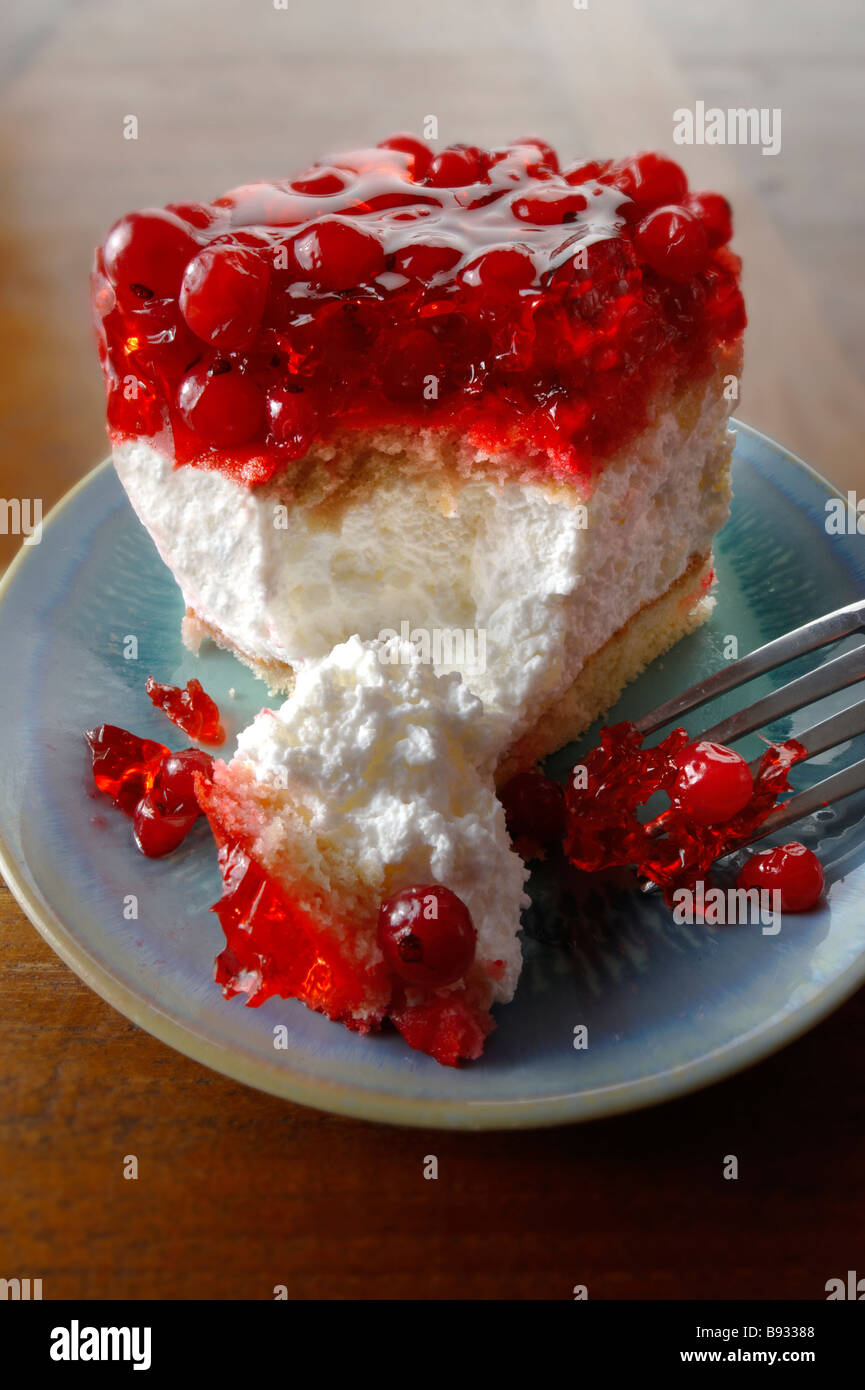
(793, 870)
(604, 830)
(124, 766)
(191, 709)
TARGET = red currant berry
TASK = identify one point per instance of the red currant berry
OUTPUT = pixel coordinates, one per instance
(321, 183)
(157, 832)
(713, 783)
(292, 419)
(419, 152)
(673, 243)
(650, 180)
(426, 935)
(715, 214)
(503, 268)
(221, 404)
(540, 157)
(223, 294)
(534, 808)
(548, 206)
(424, 260)
(456, 167)
(792, 869)
(149, 249)
(174, 788)
(336, 255)
(586, 171)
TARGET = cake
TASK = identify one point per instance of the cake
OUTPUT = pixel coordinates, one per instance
(366, 865)
(472, 398)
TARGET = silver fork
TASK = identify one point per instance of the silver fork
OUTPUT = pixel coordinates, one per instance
(828, 679)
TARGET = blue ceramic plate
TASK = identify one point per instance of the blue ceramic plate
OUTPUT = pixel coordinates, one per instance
(668, 1008)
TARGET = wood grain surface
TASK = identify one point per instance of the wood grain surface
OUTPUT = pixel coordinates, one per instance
(239, 1192)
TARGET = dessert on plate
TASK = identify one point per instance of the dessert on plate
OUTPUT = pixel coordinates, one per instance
(366, 866)
(473, 396)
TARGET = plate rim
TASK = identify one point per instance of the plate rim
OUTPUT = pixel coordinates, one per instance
(374, 1106)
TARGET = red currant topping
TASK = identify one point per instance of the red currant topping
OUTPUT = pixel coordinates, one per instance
(174, 788)
(420, 153)
(336, 255)
(422, 260)
(673, 243)
(148, 251)
(124, 766)
(192, 709)
(221, 403)
(713, 783)
(559, 310)
(793, 870)
(456, 167)
(715, 215)
(223, 294)
(158, 832)
(427, 935)
(534, 808)
(650, 179)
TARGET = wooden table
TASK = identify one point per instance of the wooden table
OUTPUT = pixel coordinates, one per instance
(239, 1192)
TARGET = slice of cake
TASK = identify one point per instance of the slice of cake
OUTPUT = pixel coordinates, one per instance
(367, 869)
(469, 397)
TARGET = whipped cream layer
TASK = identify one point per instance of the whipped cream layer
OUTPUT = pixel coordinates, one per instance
(530, 579)
(375, 777)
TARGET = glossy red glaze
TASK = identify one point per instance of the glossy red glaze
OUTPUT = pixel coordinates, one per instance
(548, 307)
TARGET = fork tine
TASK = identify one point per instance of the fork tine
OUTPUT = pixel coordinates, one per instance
(841, 623)
(825, 680)
(838, 728)
(840, 784)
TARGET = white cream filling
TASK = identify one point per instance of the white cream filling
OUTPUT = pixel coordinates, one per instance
(381, 774)
(530, 580)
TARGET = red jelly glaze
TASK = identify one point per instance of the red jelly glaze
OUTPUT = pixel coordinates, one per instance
(713, 783)
(604, 830)
(191, 709)
(553, 305)
(426, 935)
(793, 870)
(125, 767)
